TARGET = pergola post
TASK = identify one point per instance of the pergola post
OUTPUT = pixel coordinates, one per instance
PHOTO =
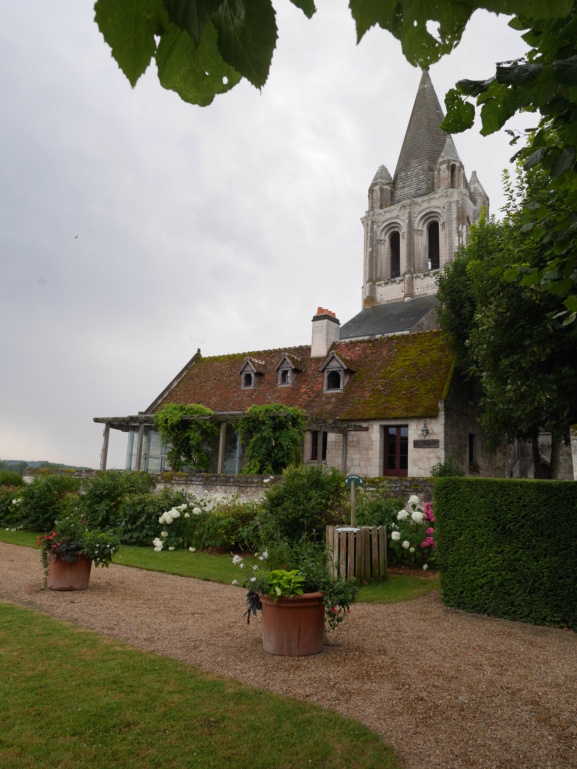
(104, 452)
(139, 446)
(221, 444)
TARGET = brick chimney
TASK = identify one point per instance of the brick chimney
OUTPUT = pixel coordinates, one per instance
(326, 328)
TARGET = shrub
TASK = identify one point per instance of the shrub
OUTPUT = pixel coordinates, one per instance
(373, 509)
(188, 439)
(10, 514)
(10, 478)
(450, 468)
(42, 501)
(138, 514)
(231, 525)
(309, 499)
(238, 526)
(104, 493)
(508, 548)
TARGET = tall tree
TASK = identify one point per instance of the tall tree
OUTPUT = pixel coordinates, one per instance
(507, 336)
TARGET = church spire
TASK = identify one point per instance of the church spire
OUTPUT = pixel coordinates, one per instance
(423, 144)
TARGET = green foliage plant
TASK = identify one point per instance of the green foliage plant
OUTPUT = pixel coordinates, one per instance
(283, 583)
(450, 468)
(295, 568)
(309, 499)
(376, 509)
(41, 501)
(272, 435)
(10, 478)
(187, 430)
(104, 494)
(137, 514)
(508, 548)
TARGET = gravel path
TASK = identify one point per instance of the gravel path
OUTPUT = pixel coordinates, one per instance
(446, 689)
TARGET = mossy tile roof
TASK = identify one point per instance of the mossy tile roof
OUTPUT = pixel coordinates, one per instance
(395, 377)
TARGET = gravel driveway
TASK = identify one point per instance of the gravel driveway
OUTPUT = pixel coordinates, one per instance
(445, 688)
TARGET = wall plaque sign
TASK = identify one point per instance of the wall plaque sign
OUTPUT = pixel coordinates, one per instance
(426, 443)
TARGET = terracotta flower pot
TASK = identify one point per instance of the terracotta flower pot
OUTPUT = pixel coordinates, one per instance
(293, 627)
(69, 575)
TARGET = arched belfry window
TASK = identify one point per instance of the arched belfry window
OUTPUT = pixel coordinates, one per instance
(395, 242)
(433, 256)
(454, 176)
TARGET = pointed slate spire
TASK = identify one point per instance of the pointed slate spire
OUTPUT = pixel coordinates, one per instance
(475, 185)
(449, 151)
(423, 144)
(382, 175)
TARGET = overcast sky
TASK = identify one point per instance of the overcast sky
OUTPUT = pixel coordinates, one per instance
(135, 228)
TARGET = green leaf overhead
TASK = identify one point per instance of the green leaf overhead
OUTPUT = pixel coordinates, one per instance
(407, 21)
(191, 15)
(129, 26)
(196, 74)
(247, 34)
(307, 7)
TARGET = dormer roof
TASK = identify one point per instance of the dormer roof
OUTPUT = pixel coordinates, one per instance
(290, 360)
(257, 366)
(422, 146)
(340, 358)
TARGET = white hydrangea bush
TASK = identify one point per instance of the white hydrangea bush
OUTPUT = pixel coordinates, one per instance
(412, 535)
(178, 526)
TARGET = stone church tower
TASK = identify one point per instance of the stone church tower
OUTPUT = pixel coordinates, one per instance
(418, 218)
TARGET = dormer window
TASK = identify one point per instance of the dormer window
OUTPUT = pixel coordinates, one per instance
(251, 367)
(336, 371)
(287, 369)
(284, 376)
(333, 380)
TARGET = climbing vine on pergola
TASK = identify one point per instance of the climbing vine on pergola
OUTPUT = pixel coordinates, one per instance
(186, 430)
(272, 435)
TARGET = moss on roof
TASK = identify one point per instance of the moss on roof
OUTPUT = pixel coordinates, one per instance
(395, 377)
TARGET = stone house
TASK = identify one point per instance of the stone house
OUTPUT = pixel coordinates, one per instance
(380, 391)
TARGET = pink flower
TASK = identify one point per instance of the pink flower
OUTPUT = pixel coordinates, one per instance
(430, 530)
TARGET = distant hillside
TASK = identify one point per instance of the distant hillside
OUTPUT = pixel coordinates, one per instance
(18, 465)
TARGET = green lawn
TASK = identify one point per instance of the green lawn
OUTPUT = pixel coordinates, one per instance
(72, 699)
(219, 568)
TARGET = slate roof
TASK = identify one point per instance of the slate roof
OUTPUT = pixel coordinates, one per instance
(395, 377)
(388, 318)
(422, 146)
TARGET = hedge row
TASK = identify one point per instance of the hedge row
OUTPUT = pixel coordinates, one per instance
(508, 548)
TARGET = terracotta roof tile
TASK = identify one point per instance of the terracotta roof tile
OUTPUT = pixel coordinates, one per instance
(396, 377)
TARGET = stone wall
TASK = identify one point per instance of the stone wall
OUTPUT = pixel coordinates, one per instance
(247, 488)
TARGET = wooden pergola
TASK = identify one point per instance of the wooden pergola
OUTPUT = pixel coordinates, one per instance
(223, 418)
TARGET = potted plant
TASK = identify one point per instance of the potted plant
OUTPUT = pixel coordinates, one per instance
(298, 604)
(68, 552)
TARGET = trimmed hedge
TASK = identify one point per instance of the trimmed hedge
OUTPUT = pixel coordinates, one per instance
(508, 548)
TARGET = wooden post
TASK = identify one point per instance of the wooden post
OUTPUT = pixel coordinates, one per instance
(221, 443)
(353, 505)
(139, 446)
(104, 452)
